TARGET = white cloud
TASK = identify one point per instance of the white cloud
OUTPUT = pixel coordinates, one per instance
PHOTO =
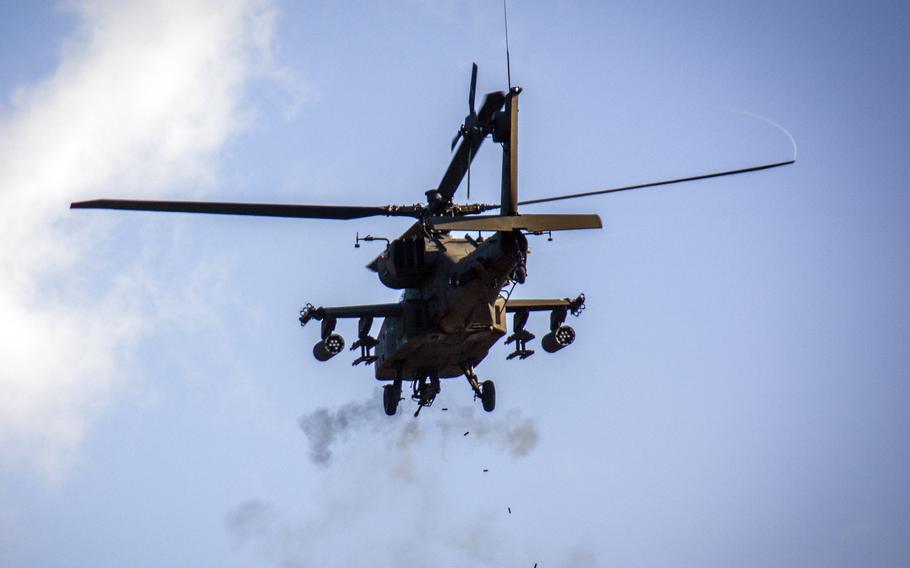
(144, 96)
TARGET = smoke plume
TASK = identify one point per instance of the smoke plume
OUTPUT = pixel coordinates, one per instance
(326, 429)
(379, 477)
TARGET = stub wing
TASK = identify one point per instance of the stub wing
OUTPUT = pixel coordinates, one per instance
(363, 311)
(332, 343)
(573, 305)
(560, 335)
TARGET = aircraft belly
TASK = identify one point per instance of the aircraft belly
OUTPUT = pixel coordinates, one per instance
(442, 353)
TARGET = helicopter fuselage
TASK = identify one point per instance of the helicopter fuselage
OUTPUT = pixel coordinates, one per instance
(457, 313)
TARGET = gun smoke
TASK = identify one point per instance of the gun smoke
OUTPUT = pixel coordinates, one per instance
(325, 428)
(375, 475)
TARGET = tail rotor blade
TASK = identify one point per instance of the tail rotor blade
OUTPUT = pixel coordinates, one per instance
(471, 141)
(473, 89)
(491, 103)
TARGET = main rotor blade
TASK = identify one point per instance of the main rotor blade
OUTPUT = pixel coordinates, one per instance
(656, 183)
(342, 212)
(471, 141)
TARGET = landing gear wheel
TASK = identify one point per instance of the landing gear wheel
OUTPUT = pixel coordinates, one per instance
(488, 395)
(390, 397)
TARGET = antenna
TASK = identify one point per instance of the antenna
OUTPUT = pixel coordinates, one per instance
(505, 17)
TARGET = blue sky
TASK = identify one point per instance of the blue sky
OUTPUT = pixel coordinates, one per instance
(738, 390)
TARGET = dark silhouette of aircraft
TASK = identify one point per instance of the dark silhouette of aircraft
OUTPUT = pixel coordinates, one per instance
(456, 290)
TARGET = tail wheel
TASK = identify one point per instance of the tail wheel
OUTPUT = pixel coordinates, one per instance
(488, 395)
(390, 397)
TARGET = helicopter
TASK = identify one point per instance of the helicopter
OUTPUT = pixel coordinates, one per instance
(456, 292)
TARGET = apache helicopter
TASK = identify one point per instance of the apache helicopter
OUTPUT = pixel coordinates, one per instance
(456, 291)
